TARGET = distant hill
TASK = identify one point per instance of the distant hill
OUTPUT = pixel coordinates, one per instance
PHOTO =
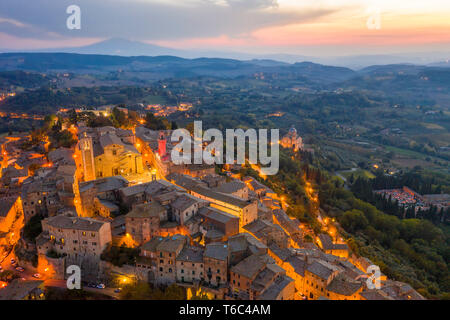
(122, 47)
(129, 48)
(161, 67)
(443, 64)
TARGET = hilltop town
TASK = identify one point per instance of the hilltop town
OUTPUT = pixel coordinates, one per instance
(115, 205)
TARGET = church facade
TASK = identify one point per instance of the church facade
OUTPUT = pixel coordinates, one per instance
(292, 140)
(108, 152)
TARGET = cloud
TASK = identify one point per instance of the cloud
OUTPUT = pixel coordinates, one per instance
(12, 22)
(253, 4)
(152, 20)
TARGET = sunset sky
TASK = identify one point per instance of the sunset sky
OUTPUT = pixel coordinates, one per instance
(313, 27)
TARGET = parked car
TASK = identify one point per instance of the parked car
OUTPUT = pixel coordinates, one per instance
(118, 290)
(13, 261)
(20, 269)
(101, 286)
(1, 268)
(37, 275)
(92, 285)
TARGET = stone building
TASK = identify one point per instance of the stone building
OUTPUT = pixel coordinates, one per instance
(292, 140)
(235, 188)
(99, 196)
(318, 275)
(243, 274)
(143, 221)
(185, 207)
(23, 290)
(216, 260)
(166, 252)
(224, 224)
(338, 249)
(189, 265)
(247, 211)
(107, 152)
(80, 241)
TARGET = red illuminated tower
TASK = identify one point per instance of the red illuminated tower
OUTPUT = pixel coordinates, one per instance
(162, 145)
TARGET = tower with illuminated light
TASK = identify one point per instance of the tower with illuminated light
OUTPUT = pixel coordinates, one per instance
(87, 153)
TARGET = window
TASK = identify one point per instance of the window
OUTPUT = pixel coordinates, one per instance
(170, 270)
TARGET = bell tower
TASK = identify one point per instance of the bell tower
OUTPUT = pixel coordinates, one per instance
(161, 144)
(87, 154)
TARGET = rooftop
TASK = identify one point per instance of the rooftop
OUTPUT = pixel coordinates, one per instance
(191, 254)
(230, 187)
(218, 251)
(146, 210)
(321, 269)
(344, 285)
(249, 267)
(76, 223)
(172, 244)
(276, 288)
(19, 289)
(184, 202)
(216, 214)
(235, 201)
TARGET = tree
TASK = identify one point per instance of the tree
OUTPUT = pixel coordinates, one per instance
(33, 227)
(119, 117)
(156, 123)
(354, 220)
